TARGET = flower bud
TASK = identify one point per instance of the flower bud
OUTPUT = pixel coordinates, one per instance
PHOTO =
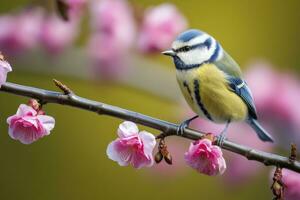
(158, 157)
(168, 158)
(41, 112)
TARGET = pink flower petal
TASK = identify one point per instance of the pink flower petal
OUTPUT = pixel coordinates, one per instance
(116, 154)
(127, 129)
(141, 160)
(48, 123)
(149, 142)
(25, 135)
(25, 110)
(4, 69)
(222, 165)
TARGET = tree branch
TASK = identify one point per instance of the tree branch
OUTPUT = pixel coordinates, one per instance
(169, 129)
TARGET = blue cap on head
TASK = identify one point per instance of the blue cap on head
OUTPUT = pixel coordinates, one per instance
(188, 35)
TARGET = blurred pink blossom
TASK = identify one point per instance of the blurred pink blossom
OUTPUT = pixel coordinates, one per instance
(160, 26)
(205, 158)
(4, 69)
(28, 125)
(176, 146)
(76, 7)
(240, 169)
(20, 32)
(132, 147)
(292, 182)
(113, 34)
(276, 95)
(57, 34)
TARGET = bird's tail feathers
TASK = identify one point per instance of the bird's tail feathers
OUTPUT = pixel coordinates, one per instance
(260, 131)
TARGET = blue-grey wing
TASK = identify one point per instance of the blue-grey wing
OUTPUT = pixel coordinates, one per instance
(228, 65)
(240, 87)
(235, 81)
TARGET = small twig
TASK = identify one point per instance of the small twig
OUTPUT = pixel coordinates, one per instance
(293, 155)
(168, 128)
(161, 136)
(63, 87)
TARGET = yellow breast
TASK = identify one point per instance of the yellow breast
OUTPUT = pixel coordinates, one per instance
(214, 94)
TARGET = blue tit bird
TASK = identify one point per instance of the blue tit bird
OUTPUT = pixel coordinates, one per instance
(212, 84)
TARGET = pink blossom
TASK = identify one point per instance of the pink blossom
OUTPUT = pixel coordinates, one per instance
(205, 158)
(4, 69)
(20, 32)
(266, 83)
(132, 147)
(28, 125)
(107, 60)
(113, 18)
(57, 34)
(292, 182)
(160, 26)
(276, 95)
(113, 34)
(75, 7)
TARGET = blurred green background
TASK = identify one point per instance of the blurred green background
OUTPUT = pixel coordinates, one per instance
(72, 164)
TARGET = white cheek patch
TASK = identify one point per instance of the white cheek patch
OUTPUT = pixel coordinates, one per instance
(195, 56)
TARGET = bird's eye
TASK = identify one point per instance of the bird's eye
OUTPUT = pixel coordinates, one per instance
(183, 49)
(186, 48)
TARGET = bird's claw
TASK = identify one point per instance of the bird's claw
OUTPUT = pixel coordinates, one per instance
(221, 139)
(181, 128)
(184, 125)
(222, 136)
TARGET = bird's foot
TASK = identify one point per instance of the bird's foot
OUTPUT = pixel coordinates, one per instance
(181, 128)
(222, 136)
(184, 125)
(221, 139)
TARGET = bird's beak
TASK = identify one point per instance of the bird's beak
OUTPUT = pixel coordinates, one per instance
(169, 52)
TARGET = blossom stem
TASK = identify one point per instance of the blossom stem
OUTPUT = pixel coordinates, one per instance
(168, 128)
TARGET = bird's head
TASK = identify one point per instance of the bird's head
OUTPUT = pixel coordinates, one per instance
(192, 48)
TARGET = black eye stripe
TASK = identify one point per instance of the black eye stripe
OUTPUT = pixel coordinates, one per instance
(183, 49)
(206, 43)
